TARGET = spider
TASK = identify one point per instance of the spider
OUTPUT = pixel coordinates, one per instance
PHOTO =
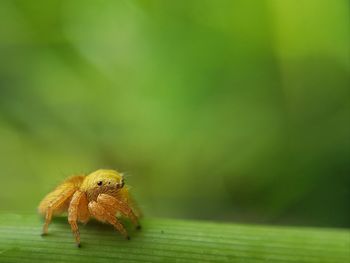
(100, 194)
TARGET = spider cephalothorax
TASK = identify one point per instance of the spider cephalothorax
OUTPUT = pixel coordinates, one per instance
(100, 194)
(102, 182)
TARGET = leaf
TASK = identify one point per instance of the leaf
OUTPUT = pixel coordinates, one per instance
(169, 240)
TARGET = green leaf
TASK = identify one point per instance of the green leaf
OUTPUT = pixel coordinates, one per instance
(169, 240)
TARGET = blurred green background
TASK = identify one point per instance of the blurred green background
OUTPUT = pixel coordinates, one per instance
(221, 110)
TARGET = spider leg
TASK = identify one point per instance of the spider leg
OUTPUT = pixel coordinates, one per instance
(113, 205)
(124, 195)
(74, 213)
(103, 214)
(55, 205)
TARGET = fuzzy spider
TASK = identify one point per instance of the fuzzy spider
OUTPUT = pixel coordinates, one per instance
(100, 194)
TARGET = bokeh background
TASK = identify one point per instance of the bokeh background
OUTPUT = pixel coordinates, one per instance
(223, 110)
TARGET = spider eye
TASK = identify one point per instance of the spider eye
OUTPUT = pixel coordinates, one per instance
(99, 183)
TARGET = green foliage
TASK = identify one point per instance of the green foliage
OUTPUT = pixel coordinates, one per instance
(232, 109)
(166, 240)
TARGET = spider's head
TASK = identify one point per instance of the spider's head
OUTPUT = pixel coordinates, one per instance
(103, 181)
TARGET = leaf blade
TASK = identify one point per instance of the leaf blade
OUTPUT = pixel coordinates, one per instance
(169, 240)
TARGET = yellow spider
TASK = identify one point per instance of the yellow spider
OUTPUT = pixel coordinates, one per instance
(100, 194)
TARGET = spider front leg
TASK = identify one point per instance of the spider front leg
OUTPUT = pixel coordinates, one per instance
(115, 205)
(78, 199)
(103, 214)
